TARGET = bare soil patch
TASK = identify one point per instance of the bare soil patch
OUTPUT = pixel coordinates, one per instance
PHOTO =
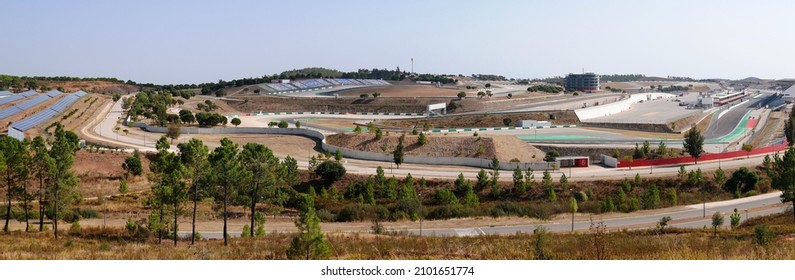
(485, 120)
(504, 147)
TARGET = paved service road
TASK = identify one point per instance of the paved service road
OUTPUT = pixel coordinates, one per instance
(691, 216)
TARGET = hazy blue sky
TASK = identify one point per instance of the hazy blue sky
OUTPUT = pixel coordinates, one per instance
(202, 41)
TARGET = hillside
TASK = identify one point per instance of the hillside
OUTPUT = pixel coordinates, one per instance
(504, 147)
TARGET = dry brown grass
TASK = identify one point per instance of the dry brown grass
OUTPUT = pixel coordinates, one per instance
(676, 244)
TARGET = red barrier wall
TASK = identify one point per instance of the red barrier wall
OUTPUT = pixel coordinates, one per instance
(681, 160)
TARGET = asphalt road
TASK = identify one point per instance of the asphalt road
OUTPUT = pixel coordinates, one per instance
(725, 124)
(692, 216)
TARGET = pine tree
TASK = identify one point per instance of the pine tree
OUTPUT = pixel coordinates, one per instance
(310, 244)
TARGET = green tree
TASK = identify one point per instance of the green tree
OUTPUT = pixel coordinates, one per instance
(62, 178)
(663, 223)
(297, 124)
(330, 171)
(717, 221)
(41, 167)
(422, 140)
(283, 124)
(735, 219)
(518, 180)
(662, 149)
(482, 180)
(194, 156)
(376, 94)
(719, 177)
(357, 129)
(261, 168)
(529, 178)
(235, 122)
(461, 95)
(495, 177)
(646, 149)
(397, 154)
(789, 132)
(338, 155)
(763, 235)
(651, 198)
(782, 175)
(742, 181)
(16, 173)
(186, 116)
(132, 165)
(226, 167)
(694, 143)
(748, 148)
(378, 134)
(310, 242)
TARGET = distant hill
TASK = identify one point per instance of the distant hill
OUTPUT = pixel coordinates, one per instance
(67, 84)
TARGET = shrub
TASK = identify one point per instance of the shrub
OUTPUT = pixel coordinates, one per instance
(763, 235)
(352, 213)
(330, 170)
(448, 212)
(325, 215)
(408, 208)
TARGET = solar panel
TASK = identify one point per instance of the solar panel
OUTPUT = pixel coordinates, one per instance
(9, 99)
(62, 104)
(30, 103)
(10, 111)
(29, 93)
(54, 93)
(5, 92)
(33, 120)
(80, 93)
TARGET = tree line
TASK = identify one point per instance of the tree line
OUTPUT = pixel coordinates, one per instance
(33, 172)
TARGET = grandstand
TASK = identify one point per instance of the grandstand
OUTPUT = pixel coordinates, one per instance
(317, 84)
(18, 129)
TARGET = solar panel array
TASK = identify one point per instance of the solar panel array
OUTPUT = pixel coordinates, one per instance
(64, 102)
(48, 113)
(5, 92)
(10, 111)
(9, 99)
(34, 120)
(54, 93)
(30, 103)
(29, 93)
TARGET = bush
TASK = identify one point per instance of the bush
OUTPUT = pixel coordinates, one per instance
(352, 213)
(543, 210)
(448, 212)
(408, 208)
(763, 235)
(330, 170)
(507, 208)
(325, 215)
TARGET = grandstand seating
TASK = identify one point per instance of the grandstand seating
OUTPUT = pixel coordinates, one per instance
(320, 83)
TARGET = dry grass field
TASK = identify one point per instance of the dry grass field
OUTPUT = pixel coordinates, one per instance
(674, 244)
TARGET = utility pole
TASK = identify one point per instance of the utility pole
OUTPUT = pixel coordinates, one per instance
(412, 65)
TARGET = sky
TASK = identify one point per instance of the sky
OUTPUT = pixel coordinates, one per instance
(172, 42)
